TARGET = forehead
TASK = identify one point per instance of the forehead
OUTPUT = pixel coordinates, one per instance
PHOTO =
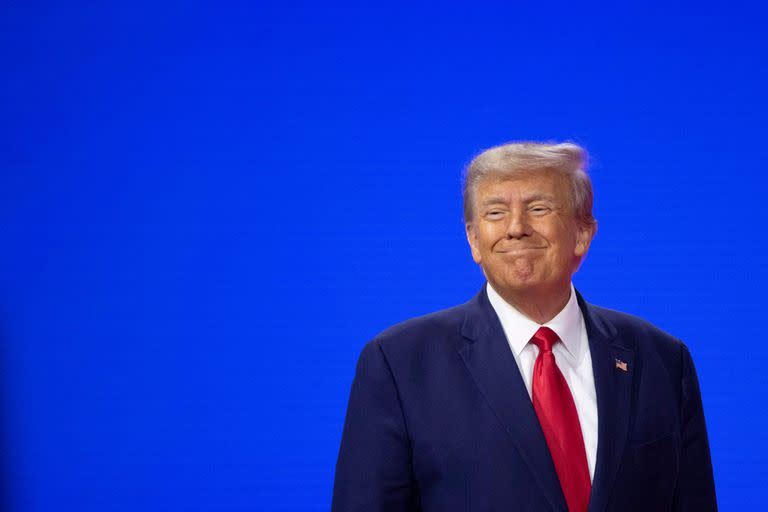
(530, 185)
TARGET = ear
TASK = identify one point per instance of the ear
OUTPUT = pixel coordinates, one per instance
(472, 239)
(584, 235)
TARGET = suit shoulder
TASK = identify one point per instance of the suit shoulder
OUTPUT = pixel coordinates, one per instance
(641, 331)
(417, 332)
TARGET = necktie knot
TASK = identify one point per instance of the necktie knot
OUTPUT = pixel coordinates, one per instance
(545, 338)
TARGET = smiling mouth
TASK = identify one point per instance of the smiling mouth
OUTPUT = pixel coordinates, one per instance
(521, 250)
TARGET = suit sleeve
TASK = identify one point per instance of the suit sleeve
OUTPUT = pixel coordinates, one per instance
(695, 486)
(373, 471)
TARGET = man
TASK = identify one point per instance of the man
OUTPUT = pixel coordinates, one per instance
(526, 398)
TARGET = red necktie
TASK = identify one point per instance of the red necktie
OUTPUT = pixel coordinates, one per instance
(554, 406)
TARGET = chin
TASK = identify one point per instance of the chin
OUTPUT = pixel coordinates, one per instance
(519, 285)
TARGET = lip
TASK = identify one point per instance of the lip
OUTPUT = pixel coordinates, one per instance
(521, 249)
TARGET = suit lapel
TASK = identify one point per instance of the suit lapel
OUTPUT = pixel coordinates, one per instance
(489, 360)
(613, 368)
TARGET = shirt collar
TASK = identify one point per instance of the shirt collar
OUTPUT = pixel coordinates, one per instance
(519, 329)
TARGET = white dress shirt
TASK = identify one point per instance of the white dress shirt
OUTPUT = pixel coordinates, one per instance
(572, 356)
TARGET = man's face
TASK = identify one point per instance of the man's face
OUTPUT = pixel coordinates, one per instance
(524, 234)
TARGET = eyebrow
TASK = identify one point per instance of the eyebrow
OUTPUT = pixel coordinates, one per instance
(536, 196)
(494, 200)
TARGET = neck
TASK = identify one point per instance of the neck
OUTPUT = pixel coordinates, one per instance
(541, 306)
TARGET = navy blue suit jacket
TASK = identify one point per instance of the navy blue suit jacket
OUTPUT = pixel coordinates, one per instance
(439, 420)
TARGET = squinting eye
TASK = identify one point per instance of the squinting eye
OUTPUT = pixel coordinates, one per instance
(495, 213)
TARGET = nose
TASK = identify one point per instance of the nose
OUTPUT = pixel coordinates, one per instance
(518, 226)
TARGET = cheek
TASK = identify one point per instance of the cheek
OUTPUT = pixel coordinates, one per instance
(486, 240)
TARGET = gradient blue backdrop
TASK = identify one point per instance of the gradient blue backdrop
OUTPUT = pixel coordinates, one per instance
(207, 210)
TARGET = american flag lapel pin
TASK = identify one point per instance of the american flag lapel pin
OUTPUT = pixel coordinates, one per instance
(621, 365)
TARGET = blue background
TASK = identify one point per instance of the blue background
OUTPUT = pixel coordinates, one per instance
(206, 211)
